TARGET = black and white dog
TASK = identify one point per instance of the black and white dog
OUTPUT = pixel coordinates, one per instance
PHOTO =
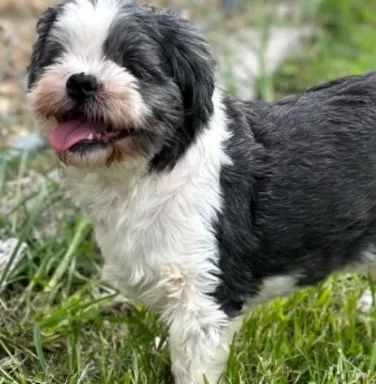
(203, 205)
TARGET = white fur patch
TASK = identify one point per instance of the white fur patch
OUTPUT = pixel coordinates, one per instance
(157, 227)
(369, 255)
(273, 287)
(83, 26)
(156, 235)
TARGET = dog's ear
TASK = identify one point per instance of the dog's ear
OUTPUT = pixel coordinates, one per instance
(43, 27)
(191, 66)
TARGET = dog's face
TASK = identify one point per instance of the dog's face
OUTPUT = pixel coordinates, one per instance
(111, 79)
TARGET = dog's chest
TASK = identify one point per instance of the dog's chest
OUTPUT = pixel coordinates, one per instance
(155, 236)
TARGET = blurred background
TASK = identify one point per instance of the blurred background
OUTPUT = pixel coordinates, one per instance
(264, 48)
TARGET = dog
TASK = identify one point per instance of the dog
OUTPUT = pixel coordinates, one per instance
(203, 205)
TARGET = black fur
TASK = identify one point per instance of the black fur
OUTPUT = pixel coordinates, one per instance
(191, 66)
(301, 196)
(43, 53)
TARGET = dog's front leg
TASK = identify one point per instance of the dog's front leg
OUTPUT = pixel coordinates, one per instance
(200, 333)
(198, 349)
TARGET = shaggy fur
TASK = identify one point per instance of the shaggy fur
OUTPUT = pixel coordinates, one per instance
(203, 205)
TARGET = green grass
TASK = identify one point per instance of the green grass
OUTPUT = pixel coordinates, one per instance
(343, 44)
(60, 324)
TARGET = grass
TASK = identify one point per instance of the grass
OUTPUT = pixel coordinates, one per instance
(343, 44)
(60, 324)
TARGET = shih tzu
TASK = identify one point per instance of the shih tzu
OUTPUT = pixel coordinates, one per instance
(203, 205)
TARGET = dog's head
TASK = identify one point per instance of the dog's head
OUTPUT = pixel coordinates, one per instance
(112, 79)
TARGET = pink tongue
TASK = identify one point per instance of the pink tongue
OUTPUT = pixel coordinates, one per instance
(69, 133)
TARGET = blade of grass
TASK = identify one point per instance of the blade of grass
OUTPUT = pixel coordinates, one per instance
(3, 168)
(21, 172)
(25, 230)
(81, 231)
(39, 348)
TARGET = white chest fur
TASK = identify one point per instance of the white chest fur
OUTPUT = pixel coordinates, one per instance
(155, 231)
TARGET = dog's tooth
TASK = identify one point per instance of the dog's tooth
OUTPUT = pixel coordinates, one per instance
(90, 137)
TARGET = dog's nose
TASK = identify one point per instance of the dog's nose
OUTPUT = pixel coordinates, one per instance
(81, 86)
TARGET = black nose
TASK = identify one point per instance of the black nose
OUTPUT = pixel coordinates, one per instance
(81, 86)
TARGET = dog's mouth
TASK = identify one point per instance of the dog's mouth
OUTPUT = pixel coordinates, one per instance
(77, 133)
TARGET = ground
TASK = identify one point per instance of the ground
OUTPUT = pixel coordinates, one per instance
(60, 324)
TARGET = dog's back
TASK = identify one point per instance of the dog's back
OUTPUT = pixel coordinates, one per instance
(311, 186)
